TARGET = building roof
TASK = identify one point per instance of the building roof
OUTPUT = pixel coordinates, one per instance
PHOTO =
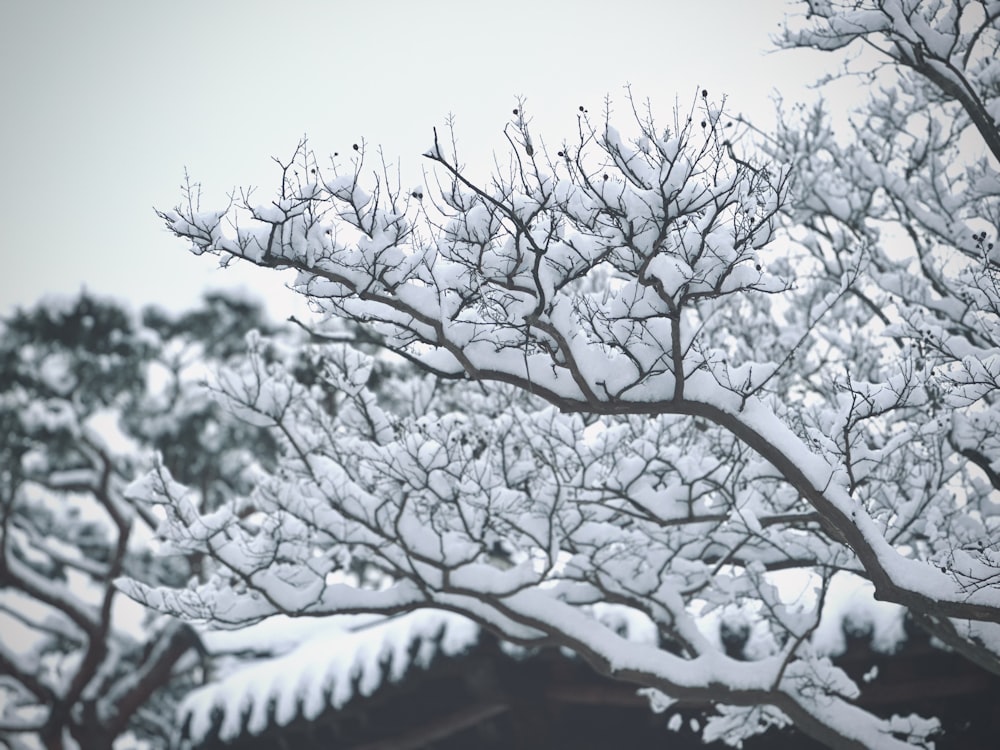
(434, 679)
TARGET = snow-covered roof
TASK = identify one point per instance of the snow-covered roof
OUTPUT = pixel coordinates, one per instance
(338, 659)
(309, 665)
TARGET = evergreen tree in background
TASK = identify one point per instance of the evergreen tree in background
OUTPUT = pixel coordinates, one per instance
(88, 392)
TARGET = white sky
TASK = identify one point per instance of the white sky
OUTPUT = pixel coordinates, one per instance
(105, 103)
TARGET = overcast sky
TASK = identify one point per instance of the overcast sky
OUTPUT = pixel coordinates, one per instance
(106, 102)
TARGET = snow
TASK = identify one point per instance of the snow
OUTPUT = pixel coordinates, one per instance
(309, 665)
(643, 304)
(323, 669)
(104, 427)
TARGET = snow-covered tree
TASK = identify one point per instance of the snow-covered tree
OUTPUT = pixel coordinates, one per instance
(87, 391)
(667, 371)
(906, 203)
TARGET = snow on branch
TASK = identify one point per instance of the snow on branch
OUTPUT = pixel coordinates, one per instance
(652, 369)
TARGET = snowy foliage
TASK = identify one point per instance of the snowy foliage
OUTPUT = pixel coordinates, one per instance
(659, 365)
(87, 391)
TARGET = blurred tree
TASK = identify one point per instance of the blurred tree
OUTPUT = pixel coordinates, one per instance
(87, 392)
